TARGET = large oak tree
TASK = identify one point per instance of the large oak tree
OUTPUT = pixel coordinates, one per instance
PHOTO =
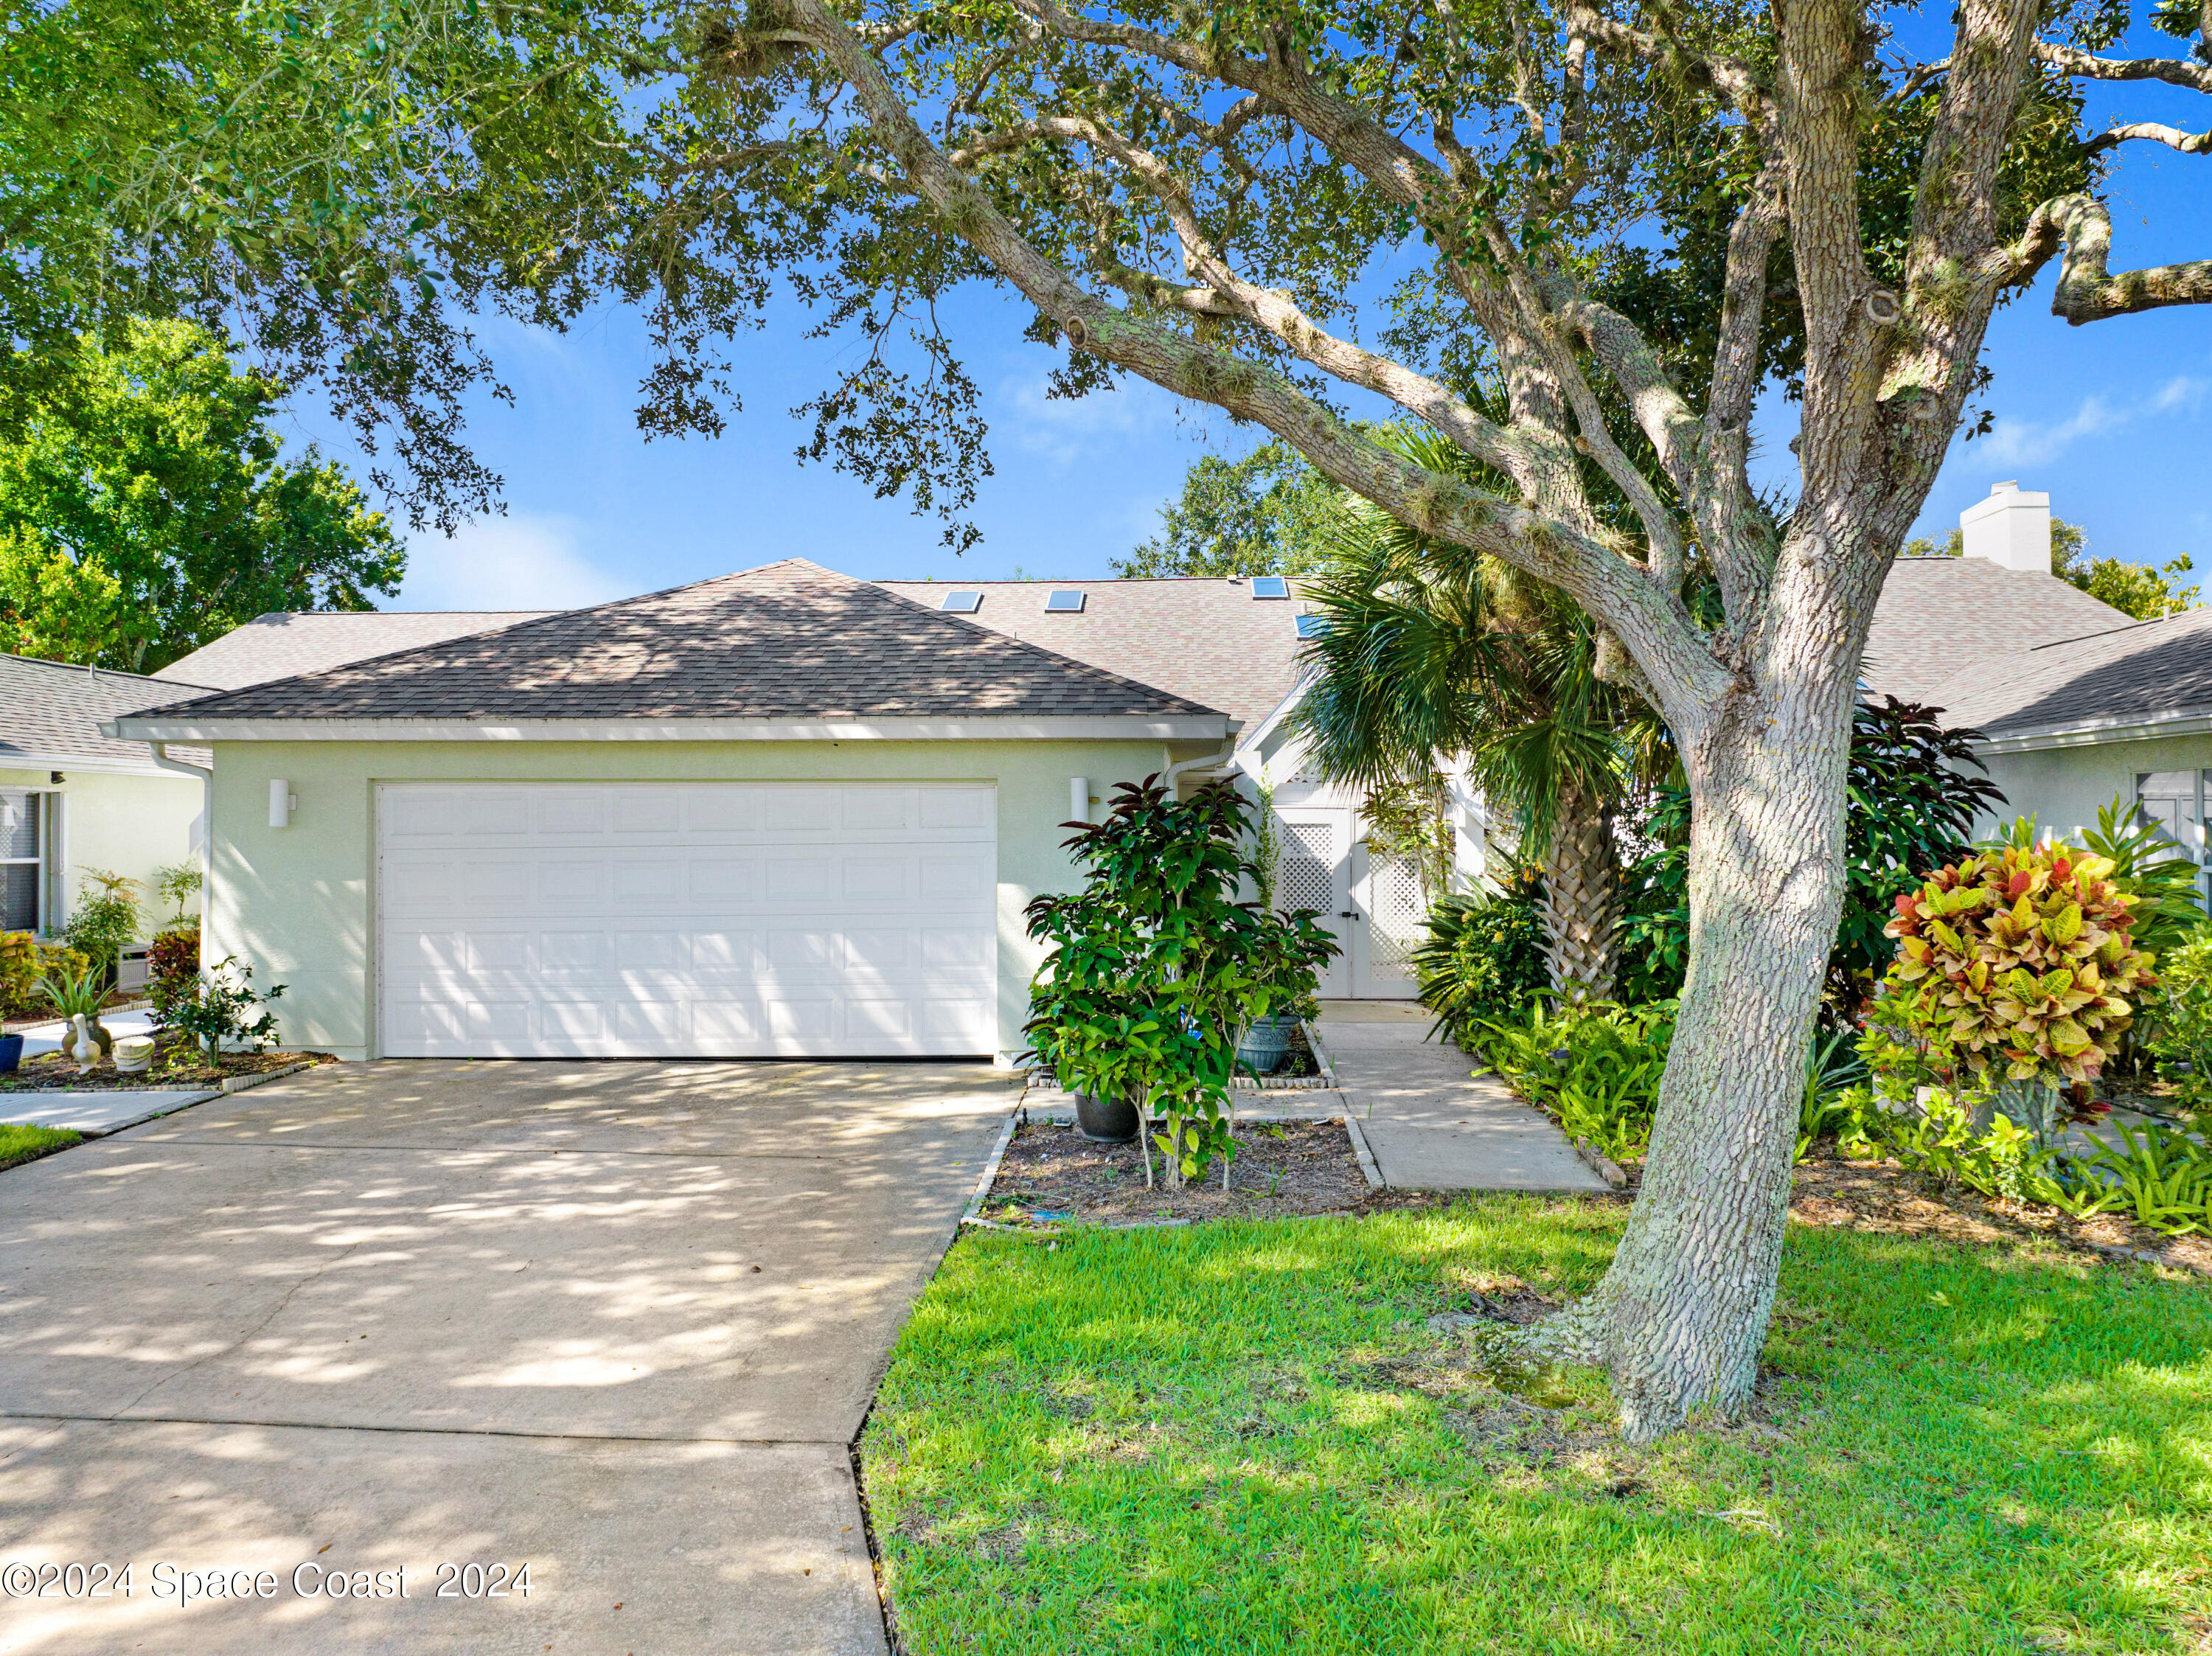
(1296, 212)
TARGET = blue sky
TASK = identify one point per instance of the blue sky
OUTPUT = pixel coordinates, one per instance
(2112, 419)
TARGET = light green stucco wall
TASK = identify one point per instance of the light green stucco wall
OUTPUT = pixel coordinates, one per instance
(2064, 788)
(297, 902)
(131, 824)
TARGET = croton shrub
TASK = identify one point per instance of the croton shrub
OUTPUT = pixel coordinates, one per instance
(2012, 964)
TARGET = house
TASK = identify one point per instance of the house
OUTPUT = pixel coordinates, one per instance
(2078, 703)
(73, 798)
(1234, 643)
(782, 812)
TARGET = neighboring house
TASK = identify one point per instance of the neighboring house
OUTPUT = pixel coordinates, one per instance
(285, 643)
(1233, 644)
(72, 798)
(2080, 704)
(783, 812)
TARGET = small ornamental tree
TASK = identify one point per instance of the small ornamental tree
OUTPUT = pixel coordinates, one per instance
(1156, 966)
(2012, 971)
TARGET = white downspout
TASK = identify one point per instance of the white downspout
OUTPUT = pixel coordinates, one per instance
(1228, 750)
(206, 775)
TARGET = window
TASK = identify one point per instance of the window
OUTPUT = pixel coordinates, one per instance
(1310, 625)
(1270, 586)
(20, 819)
(1064, 603)
(961, 604)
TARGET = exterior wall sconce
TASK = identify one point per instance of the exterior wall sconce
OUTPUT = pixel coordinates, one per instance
(282, 802)
(1079, 798)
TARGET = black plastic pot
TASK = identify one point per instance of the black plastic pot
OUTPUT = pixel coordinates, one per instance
(11, 1052)
(1105, 1121)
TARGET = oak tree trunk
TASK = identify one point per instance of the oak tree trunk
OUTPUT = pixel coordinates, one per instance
(1681, 1316)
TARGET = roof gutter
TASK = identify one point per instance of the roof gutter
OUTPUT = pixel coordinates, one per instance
(180, 727)
(2194, 722)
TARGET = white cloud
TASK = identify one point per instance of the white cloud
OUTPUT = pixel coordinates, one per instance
(1065, 429)
(525, 561)
(2025, 443)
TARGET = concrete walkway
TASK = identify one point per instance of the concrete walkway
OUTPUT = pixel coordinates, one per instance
(618, 1322)
(1431, 1123)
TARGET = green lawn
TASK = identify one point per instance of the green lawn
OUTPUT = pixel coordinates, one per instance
(1240, 1438)
(19, 1144)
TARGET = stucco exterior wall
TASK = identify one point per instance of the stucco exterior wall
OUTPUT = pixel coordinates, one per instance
(298, 903)
(2064, 788)
(131, 824)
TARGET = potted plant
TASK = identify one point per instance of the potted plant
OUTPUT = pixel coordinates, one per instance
(1156, 964)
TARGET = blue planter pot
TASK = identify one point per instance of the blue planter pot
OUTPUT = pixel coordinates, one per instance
(11, 1052)
(1265, 1044)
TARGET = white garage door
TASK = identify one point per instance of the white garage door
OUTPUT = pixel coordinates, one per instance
(687, 920)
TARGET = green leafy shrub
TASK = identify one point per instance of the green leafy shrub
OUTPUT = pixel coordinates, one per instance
(23, 960)
(105, 919)
(1483, 956)
(1912, 800)
(2013, 964)
(178, 883)
(173, 962)
(1595, 1065)
(215, 1011)
(1156, 967)
(2183, 1045)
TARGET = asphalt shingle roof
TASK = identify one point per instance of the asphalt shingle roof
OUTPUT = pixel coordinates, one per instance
(2138, 673)
(1210, 640)
(1937, 616)
(788, 640)
(51, 712)
(285, 643)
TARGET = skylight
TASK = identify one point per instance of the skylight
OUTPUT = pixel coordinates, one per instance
(1310, 625)
(961, 604)
(1064, 602)
(1270, 586)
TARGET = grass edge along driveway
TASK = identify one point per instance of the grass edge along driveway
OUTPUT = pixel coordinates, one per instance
(1241, 1437)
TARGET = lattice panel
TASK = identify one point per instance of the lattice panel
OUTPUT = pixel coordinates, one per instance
(1305, 874)
(1394, 913)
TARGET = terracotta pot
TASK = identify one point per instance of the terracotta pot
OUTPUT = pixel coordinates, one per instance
(1105, 1121)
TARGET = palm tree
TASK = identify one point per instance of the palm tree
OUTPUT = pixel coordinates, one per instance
(1428, 652)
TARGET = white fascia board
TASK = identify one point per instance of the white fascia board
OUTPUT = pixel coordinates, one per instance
(181, 727)
(11, 760)
(2193, 721)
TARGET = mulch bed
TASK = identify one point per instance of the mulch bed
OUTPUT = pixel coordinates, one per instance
(175, 1068)
(1881, 1196)
(1052, 1173)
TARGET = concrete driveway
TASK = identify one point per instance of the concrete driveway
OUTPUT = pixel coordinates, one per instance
(617, 1322)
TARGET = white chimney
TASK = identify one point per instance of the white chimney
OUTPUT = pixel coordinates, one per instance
(2011, 527)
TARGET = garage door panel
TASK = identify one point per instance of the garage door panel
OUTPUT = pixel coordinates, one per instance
(878, 879)
(707, 919)
(722, 879)
(799, 880)
(786, 809)
(652, 1021)
(711, 810)
(648, 811)
(417, 883)
(955, 808)
(500, 814)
